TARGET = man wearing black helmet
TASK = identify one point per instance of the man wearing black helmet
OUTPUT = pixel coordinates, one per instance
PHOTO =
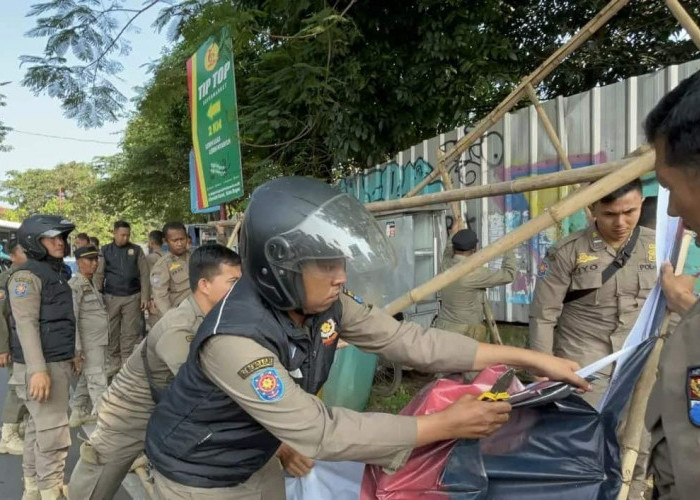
(43, 350)
(266, 349)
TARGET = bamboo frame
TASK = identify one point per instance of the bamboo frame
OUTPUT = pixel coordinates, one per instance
(553, 137)
(632, 437)
(557, 212)
(521, 185)
(516, 95)
(685, 20)
(491, 322)
(447, 183)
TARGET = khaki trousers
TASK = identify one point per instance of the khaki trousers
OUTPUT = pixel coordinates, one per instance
(13, 409)
(95, 479)
(266, 484)
(661, 469)
(478, 332)
(125, 326)
(92, 382)
(47, 437)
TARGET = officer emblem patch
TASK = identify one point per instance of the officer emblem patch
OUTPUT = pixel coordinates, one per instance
(174, 266)
(651, 252)
(21, 289)
(268, 385)
(2, 294)
(353, 296)
(254, 366)
(328, 332)
(693, 391)
(542, 268)
(189, 338)
(598, 243)
(584, 258)
(130, 251)
(155, 280)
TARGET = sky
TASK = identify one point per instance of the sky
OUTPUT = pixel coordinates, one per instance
(42, 114)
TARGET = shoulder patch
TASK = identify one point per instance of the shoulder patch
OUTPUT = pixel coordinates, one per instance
(268, 385)
(693, 394)
(254, 366)
(21, 289)
(543, 268)
(353, 296)
(155, 280)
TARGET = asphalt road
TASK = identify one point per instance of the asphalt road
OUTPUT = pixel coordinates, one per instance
(11, 465)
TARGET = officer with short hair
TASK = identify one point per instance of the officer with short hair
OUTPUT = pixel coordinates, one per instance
(462, 302)
(122, 275)
(673, 411)
(44, 351)
(92, 337)
(169, 276)
(264, 351)
(13, 410)
(155, 247)
(119, 436)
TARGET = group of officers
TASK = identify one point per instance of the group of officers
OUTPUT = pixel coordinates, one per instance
(221, 392)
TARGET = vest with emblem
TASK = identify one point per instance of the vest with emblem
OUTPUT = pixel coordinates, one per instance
(121, 269)
(56, 319)
(198, 436)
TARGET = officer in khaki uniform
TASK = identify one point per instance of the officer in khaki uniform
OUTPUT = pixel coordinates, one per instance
(13, 410)
(264, 351)
(43, 350)
(579, 315)
(169, 276)
(123, 276)
(92, 338)
(155, 252)
(119, 436)
(462, 308)
(673, 412)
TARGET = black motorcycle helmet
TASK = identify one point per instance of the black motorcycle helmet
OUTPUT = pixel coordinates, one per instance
(291, 220)
(39, 226)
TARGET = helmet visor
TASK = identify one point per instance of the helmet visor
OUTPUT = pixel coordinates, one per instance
(341, 228)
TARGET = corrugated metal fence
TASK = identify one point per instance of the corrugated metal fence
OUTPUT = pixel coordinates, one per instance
(600, 125)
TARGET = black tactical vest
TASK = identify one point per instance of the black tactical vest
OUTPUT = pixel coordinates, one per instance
(198, 436)
(56, 318)
(122, 275)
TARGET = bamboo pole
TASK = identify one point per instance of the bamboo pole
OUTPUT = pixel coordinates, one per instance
(491, 322)
(521, 185)
(516, 95)
(553, 137)
(553, 215)
(632, 437)
(685, 20)
(447, 183)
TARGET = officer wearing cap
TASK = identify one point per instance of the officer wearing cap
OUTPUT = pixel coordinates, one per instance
(462, 308)
(264, 351)
(44, 351)
(13, 410)
(92, 337)
(170, 276)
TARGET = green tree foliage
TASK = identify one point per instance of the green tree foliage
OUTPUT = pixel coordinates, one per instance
(3, 129)
(68, 189)
(325, 89)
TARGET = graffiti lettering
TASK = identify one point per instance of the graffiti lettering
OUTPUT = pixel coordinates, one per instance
(389, 181)
(468, 166)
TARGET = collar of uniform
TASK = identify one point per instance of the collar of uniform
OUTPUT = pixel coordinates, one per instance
(197, 310)
(81, 275)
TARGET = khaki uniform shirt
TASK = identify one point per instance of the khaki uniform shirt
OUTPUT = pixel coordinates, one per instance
(303, 421)
(153, 257)
(170, 281)
(596, 325)
(5, 331)
(463, 300)
(675, 441)
(127, 404)
(91, 320)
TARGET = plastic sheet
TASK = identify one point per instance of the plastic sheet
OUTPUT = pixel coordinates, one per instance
(327, 480)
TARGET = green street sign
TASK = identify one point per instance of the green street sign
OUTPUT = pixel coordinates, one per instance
(214, 114)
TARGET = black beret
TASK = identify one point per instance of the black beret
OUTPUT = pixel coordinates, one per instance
(464, 240)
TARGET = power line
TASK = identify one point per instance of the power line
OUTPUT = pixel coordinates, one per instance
(61, 137)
